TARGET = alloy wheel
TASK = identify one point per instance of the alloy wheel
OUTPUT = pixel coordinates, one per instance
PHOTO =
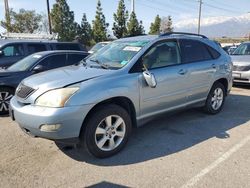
(217, 98)
(110, 133)
(5, 101)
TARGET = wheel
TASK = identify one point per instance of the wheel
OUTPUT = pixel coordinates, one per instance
(107, 131)
(215, 99)
(5, 95)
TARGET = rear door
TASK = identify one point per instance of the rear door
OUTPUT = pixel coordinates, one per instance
(201, 66)
(35, 47)
(164, 61)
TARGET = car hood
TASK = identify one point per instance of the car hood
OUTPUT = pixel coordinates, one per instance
(63, 76)
(241, 60)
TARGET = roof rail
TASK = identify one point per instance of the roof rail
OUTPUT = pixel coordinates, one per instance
(182, 33)
(28, 36)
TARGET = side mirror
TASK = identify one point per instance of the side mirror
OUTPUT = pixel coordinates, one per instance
(150, 79)
(38, 68)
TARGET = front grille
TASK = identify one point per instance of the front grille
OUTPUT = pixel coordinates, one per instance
(241, 68)
(24, 91)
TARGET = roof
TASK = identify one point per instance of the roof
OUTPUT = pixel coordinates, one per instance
(59, 51)
(6, 41)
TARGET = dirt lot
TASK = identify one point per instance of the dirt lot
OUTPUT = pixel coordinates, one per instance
(188, 149)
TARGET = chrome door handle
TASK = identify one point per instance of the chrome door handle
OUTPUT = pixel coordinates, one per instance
(182, 72)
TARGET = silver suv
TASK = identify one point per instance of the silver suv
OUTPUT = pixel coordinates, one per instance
(97, 102)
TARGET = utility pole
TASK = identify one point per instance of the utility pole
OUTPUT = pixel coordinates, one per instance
(132, 6)
(48, 12)
(199, 21)
(7, 14)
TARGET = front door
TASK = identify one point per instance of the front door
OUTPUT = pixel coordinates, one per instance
(164, 61)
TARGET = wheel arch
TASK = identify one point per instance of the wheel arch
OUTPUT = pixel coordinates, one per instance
(122, 101)
(224, 82)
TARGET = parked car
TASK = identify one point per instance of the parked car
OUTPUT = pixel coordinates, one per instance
(120, 86)
(12, 51)
(241, 63)
(35, 63)
(97, 47)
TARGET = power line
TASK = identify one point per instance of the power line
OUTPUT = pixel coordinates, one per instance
(220, 8)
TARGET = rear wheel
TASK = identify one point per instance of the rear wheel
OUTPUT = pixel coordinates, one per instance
(5, 95)
(215, 99)
(107, 131)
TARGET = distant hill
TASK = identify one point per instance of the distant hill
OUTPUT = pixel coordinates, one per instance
(238, 26)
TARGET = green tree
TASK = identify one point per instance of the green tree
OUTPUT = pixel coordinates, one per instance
(99, 25)
(24, 21)
(134, 26)
(155, 27)
(167, 24)
(85, 31)
(63, 21)
(120, 20)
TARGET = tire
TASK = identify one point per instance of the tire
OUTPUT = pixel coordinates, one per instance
(107, 131)
(215, 99)
(5, 95)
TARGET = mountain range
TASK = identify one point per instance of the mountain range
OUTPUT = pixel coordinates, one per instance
(230, 26)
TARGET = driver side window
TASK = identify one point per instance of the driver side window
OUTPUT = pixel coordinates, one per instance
(162, 55)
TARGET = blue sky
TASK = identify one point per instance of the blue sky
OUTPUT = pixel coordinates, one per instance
(146, 10)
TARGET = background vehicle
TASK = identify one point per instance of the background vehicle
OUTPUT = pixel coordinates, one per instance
(241, 63)
(35, 63)
(97, 47)
(122, 85)
(12, 51)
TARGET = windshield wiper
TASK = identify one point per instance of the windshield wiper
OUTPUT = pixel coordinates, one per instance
(104, 66)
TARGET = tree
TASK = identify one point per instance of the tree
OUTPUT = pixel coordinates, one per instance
(85, 31)
(99, 25)
(155, 27)
(24, 21)
(120, 20)
(166, 24)
(134, 26)
(63, 21)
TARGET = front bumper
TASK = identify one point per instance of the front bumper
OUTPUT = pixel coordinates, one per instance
(241, 76)
(30, 118)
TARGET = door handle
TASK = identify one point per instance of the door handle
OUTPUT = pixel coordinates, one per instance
(213, 66)
(182, 72)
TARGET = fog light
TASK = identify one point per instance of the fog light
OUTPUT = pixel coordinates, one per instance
(50, 128)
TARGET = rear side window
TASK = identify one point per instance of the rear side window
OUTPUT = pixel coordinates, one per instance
(69, 46)
(214, 53)
(75, 58)
(54, 61)
(13, 50)
(194, 51)
(33, 48)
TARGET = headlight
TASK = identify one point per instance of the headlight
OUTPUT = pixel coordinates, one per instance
(56, 98)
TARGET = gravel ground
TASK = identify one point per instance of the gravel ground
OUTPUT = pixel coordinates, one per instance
(187, 149)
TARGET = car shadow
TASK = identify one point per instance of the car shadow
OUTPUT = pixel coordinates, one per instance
(170, 134)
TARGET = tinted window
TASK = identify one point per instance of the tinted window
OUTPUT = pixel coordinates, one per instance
(33, 48)
(13, 50)
(193, 51)
(65, 46)
(214, 53)
(54, 61)
(162, 55)
(75, 58)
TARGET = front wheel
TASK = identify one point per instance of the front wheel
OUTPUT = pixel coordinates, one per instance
(215, 99)
(107, 131)
(5, 95)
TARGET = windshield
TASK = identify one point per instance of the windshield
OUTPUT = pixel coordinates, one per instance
(98, 46)
(243, 49)
(25, 64)
(117, 54)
